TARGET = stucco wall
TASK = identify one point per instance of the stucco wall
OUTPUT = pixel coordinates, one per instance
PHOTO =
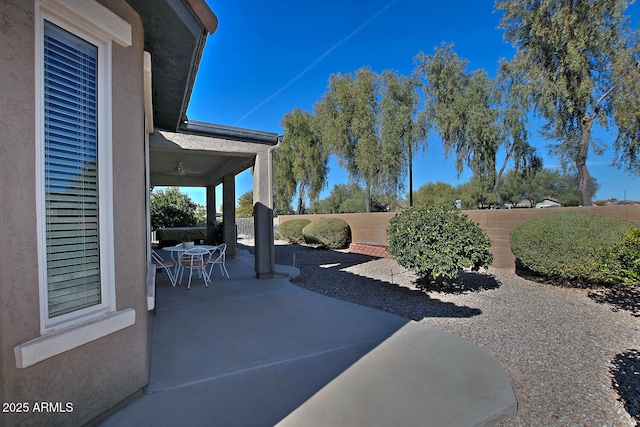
(372, 227)
(96, 376)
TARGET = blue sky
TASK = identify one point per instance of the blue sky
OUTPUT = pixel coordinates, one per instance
(267, 58)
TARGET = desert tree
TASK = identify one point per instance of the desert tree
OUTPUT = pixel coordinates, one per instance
(366, 120)
(244, 209)
(348, 114)
(401, 119)
(476, 116)
(346, 198)
(301, 162)
(581, 59)
(544, 183)
(436, 193)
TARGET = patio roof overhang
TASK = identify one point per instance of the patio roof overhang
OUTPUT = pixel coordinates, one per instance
(175, 32)
(201, 154)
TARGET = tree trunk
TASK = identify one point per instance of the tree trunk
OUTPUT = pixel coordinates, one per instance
(584, 184)
(300, 199)
(496, 181)
(410, 176)
(367, 198)
(496, 185)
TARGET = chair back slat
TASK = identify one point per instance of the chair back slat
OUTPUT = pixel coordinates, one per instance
(218, 257)
(159, 262)
(195, 258)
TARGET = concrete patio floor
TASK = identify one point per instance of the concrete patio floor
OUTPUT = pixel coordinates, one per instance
(248, 352)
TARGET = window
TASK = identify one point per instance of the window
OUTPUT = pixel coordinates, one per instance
(71, 172)
(77, 240)
(73, 150)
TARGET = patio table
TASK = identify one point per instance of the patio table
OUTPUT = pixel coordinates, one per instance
(177, 251)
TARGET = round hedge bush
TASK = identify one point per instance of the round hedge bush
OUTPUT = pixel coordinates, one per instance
(567, 246)
(330, 233)
(292, 230)
(621, 263)
(437, 242)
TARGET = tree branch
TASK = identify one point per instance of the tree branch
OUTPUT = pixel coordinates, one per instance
(587, 118)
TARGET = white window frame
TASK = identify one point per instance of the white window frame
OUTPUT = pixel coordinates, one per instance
(99, 26)
(105, 176)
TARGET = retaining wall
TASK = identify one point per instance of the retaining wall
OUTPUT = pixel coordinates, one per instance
(372, 227)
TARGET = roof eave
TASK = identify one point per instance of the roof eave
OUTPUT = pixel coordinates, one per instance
(175, 33)
(229, 132)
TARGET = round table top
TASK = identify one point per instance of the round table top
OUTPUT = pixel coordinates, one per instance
(181, 248)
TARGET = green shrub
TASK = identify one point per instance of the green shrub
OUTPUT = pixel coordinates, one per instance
(331, 233)
(292, 230)
(566, 246)
(438, 242)
(620, 263)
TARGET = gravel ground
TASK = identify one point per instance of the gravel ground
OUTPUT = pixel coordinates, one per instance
(573, 355)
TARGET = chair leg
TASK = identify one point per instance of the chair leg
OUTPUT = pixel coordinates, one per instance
(204, 276)
(208, 273)
(181, 272)
(223, 270)
(172, 279)
(190, 274)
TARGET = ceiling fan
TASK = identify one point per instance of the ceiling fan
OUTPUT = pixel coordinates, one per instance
(180, 170)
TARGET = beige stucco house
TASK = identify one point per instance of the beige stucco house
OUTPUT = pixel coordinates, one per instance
(93, 98)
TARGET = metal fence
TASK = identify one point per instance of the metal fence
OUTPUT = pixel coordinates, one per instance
(245, 227)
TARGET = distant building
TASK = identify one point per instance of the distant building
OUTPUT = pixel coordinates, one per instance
(616, 202)
(524, 203)
(549, 202)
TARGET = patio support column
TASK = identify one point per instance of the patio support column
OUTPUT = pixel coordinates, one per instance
(263, 217)
(229, 213)
(211, 214)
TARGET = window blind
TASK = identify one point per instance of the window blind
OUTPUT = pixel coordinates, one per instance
(71, 171)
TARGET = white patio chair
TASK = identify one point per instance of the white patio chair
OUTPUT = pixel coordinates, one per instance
(165, 264)
(175, 256)
(195, 259)
(218, 257)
